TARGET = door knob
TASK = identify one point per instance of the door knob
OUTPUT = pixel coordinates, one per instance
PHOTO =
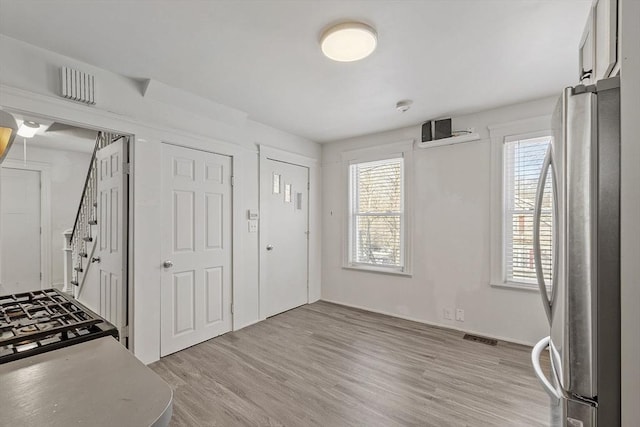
(167, 264)
(95, 259)
(269, 247)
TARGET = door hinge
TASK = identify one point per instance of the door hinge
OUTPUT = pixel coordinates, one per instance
(231, 308)
(232, 180)
(40, 276)
(308, 185)
(127, 168)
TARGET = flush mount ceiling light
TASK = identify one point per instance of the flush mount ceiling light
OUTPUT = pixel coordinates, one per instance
(28, 129)
(8, 129)
(349, 41)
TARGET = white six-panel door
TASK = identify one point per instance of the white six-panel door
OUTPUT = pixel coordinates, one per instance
(110, 253)
(20, 216)
(196, 247)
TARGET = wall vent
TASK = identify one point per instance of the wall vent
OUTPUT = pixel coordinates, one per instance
(78, 86)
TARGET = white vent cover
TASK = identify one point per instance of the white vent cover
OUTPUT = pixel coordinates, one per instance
(77, 85)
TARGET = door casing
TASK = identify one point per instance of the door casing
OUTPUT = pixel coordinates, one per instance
(271, 153)
(168, 349)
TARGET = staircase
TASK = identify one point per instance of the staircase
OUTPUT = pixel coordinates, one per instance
(83, 237)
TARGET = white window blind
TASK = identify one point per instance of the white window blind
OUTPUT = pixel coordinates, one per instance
(376, 224)
(522, 165)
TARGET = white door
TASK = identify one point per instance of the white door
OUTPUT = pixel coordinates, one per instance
(20, 228)
(286, 235)
(110, 253)
(196, 247)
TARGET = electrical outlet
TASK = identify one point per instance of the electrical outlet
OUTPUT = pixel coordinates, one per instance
(460, 315)
(253, 226)
(448, 314)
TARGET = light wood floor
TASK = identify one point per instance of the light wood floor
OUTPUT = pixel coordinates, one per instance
(329, 365)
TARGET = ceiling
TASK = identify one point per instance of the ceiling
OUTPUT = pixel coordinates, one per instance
(57, 136)
(263, 57)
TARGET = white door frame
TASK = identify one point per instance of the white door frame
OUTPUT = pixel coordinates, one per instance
(271, 153)
(62, 111)
(45, 213)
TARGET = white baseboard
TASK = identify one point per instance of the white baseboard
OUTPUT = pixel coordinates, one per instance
(265, 318)
(247, 325)
(439, 325)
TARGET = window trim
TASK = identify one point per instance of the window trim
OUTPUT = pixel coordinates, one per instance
(401, 149)
(500, 134)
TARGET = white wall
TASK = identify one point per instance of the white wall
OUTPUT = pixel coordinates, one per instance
(29, 83)
(630, 206)
(68, 170)
(451, 236)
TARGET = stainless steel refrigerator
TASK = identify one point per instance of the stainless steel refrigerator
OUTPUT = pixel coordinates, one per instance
(583, 306)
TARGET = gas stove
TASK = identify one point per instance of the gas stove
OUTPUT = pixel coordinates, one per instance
(45, 320)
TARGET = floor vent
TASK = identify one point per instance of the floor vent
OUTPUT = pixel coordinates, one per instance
(483, 340)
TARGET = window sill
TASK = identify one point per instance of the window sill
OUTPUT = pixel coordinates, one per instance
(380, 270)
(528, 287)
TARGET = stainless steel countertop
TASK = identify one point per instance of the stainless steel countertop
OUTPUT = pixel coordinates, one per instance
(95, 383)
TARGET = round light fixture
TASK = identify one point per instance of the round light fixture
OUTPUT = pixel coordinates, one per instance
(349, 41)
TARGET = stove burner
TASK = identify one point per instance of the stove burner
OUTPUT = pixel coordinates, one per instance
(35, 327)
(13, 311)
(28, 329)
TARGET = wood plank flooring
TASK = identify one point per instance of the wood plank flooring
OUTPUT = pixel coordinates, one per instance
(328, 365)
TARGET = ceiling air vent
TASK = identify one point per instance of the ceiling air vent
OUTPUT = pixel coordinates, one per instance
(78, 86)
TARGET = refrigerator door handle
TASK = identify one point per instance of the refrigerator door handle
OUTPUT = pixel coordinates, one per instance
(537, 214)
(535, 360)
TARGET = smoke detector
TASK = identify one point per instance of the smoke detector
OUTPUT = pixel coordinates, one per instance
(403, 106)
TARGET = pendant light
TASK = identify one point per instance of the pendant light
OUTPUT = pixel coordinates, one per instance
(8, 131)
(27, 129)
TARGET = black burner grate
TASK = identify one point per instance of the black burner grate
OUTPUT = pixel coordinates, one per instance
(33, 322)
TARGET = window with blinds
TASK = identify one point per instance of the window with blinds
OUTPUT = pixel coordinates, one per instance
(376, 223)
(522, 165)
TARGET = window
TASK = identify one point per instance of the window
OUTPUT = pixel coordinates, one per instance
(518, 149)
(522, 163)
(377, 221)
